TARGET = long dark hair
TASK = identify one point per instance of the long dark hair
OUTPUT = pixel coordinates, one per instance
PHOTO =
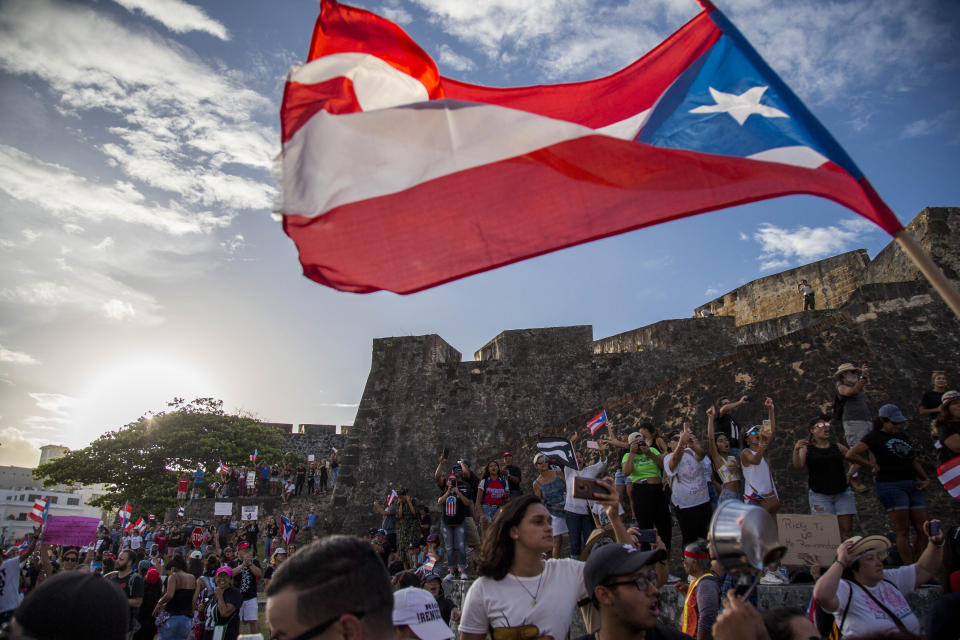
(486, 470)
(497, 549)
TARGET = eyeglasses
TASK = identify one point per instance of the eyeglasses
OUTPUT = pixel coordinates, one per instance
(822, 425)
(70, 559)
(641, 582)
(320, 628)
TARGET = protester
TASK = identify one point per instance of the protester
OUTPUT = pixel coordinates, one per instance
(455, 509)
(408, 526)
(805, 290)
(75, 604)
(323, 477)
(856, 588)
(338, 584)
(727, 423)
(513, 474)
(851, 400)
(759, 488)
(416, 615)
(245, 578)
(130, 583)
(176, 603)
(643, 466)
(688, 487)
(222, 616)
(389, 521)
(576, 511)
(152, 590)
(897, 470)
(932, 400)
(725, 463)
(275, 561)
(10, 570)
(550, 487)
(311, 478)
(621, 583)
(702, 601)
(517, 586)
(827, 481)
(492, 492)
(448, 610)
(948, 426)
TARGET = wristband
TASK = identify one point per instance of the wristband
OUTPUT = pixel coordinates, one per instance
(841, 564)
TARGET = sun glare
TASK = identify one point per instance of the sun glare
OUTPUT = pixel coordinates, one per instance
(121, 392)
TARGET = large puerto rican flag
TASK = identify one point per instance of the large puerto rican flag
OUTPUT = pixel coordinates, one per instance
(396, 178)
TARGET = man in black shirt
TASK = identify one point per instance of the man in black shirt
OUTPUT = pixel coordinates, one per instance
(245, 579)
(130, 583)
(513, 475)
(622, 584)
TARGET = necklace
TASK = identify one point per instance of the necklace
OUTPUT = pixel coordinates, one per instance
(533, 596)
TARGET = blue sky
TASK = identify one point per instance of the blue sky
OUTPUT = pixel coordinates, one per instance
(139, 259)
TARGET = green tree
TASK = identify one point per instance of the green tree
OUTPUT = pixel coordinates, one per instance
(141, 462)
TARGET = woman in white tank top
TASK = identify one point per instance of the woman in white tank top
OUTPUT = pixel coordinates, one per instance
(757, 479)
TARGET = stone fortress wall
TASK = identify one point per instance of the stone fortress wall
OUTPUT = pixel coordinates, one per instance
(421, 396)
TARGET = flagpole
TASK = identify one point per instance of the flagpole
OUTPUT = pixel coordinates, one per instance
(944, 286)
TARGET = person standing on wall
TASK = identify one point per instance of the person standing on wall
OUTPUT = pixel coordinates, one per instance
(806, 291)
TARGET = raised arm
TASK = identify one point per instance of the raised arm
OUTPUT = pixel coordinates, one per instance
(771, 415)
(679, 451)
(825, 589)
(712, 437)
(932, 557)
(800, 453)
(847, 390)
(438, 474)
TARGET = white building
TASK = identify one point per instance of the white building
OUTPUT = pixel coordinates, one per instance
(15, 504)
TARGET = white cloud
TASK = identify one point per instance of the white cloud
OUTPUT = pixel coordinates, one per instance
(18, 448)
(69, 227)
(784, 247)
(118, 310)
(396, 14)
(56, 403)
(184, 120)
(828, 51)
(928, 126)
(106, 243)
(341, 405)
(448, 58)
(67, 194)
(30, 235)
(177, 16)
(16, 357)
(234, 244)
(711, 291)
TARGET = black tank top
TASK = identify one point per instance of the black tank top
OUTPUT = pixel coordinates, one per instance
(181, 604)
(825, 467)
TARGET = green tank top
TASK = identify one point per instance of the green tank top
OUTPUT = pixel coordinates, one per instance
(643, 466)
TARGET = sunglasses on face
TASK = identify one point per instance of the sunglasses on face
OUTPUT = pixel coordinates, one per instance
(320, 628)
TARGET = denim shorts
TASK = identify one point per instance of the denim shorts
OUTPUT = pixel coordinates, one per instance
(619, 478)
(489, 511)
(900, 495)
(838, 504)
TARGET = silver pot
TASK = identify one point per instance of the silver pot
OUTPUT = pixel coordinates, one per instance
(743, 535)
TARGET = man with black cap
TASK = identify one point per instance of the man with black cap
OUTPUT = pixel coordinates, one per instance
(622, 584)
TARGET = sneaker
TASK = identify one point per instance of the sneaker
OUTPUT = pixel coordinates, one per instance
(773, 577)
(463, 575)
(672, 578)
(448, 577)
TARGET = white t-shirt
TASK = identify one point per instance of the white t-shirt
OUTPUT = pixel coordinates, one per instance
(865, 618)
(579, 505)
(136, 542)
(507, 602)
(689, 489)
(9, 584)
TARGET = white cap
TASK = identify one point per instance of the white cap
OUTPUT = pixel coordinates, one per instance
(196, 554)
(418, 609)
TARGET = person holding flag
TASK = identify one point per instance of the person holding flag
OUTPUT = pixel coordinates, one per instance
(13, 561)
(947, 424)
(40, 511)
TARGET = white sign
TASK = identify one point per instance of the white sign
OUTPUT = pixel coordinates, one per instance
(223, 508)
(248, 513)
(592, 444)
(310, 458)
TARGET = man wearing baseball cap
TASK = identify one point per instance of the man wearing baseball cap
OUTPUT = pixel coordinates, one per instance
(513, 475)
(417, 615)
(622, 585)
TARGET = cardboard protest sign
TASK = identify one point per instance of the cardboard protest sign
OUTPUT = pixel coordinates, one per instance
(223, 508)
(592, 444)
(74, 531)
(248, 513)
(311, 458)
(809, 538)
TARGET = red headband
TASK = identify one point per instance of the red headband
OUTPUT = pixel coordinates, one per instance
(696, 554)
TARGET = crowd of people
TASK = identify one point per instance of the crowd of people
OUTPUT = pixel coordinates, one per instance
(284, 479)
(509, 537)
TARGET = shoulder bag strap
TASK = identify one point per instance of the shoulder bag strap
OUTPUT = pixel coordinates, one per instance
(845, 610)
(887, 611)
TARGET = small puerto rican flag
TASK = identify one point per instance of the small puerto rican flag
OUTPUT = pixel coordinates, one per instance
(253, 456)
(40, 511)
(140, 525)
(949, 475)
(597, 421)
(287, 530)
(222, 468)
(126, 512)
(24, 544)
(392, 498)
